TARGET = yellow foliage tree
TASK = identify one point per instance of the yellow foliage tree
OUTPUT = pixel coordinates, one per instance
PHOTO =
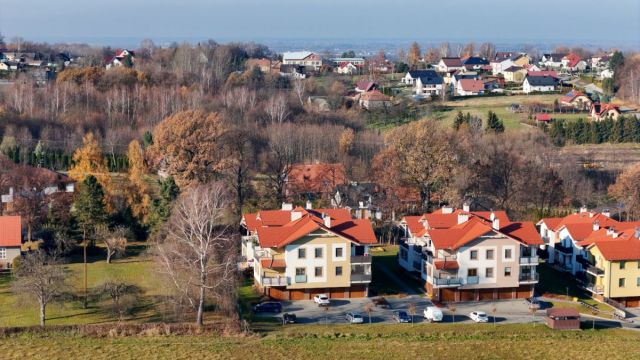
(88, 160)
(137, 190)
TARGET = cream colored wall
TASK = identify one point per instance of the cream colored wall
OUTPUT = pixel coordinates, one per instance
(612, 273)
(328, 242)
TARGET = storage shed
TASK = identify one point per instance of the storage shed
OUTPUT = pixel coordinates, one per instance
(563, 319)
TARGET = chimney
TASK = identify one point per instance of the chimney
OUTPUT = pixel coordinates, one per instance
(465, 207)
(11, 190)
(309, 205)
(596, 225)
(492, 216)
(496, 224)
(462, 218)
(637, 233)
(607, 213)
(287, 206)
(583, 209)
(327, 220)
(295, 215)
(447, 210)
(610, 231)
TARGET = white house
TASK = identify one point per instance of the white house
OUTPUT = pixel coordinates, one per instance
(552, 60)
(539, 84)
(429, 84)
(303, 58)
(347, 69)
(447, 64)
(470, 87)
(411, 76)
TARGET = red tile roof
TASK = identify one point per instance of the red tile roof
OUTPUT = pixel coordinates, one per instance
(573, 59)
(452, 61)
(552, 223)
(570, 96)
(600, 109)
(623, 249)
(374, 95)
(10, 231)
(273, 263)
(472, 85)
(366, 85)
(447, 265)
(543, 117)
(551, 73)
(525, 232)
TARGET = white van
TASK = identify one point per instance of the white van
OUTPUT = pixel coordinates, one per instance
(432, 314)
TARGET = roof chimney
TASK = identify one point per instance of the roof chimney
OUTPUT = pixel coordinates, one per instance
(295, 215)
(287, 206)
(596, 225)
(462, 218)
(447, 209)
(465, 207)
(607, 213)
(327, 220)
(309, 205)
(492, 216)
(496, 224)
(583, 209)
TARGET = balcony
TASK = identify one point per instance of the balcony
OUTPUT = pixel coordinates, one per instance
(595, 271)
(447, 282)
(360, 278)
(300, 279)
(533, 260)
(275, 281)
(473, 280)
(563, 249)
(596, 289)
(528, 278)
(361, 259)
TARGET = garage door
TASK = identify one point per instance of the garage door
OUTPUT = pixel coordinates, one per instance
(298, 295)
(447, 295)
(486, 294)
(505, 294)
(337, 293)
(633, 302)
(280, 294)
(358, 291)
(524, 292)
(467, 295)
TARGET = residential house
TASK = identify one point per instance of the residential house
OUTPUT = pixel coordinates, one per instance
(600, 61)
(297, 253)
(469, 87)
(360, 199)
(506, 59)
(605, 74)
(601, 111)
(543, 118)
(356, 61)
(302, 58)
(458, 75)
(551, 73)
(121, 57)
(293, 71)
(264, 64)
(10, 240)
(573, 62)
(531, 67)
(374, 100)
(539, 84)
(464, 255)
(514, 74)
(429, 84)
(474, 62)
(552, 60)
(347, 69)
(311, 180)
(448, 64)
(411, 76)
(576, 99)
(363, 86)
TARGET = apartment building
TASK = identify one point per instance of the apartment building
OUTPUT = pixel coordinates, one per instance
(464, 255)
(297, 253)
(304, 58)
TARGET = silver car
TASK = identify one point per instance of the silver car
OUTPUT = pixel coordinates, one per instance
(354, 318)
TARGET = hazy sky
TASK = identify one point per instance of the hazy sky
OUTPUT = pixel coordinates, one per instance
(494, 20)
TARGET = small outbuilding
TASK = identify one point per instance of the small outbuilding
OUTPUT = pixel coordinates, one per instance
(563, 319)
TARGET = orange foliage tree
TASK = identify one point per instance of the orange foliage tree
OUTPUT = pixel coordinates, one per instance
(88, 160)
(138, 190)
(627, 190)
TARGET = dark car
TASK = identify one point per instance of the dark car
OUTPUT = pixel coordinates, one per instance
(401, 317)
(268, 306)
(289, 318)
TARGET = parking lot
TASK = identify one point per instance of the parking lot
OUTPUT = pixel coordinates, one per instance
(308, 312)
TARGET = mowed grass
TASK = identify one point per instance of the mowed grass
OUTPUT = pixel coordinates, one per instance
(135, 269)
(432, 341)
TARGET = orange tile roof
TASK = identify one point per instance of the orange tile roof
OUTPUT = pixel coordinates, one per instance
(413, 223)
(552, 223)
(10, 231)
(579, 231)
(273, 263)
(447, 265)
(623, 249)
(525, 232)
(472, 85)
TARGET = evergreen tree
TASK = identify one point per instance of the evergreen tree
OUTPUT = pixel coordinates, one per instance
(161, 207)
(494, 124)
(89, 205)
(459, 120)
(616, 61)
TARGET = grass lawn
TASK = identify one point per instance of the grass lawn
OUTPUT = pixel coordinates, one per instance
(439, 341)
(381, 282)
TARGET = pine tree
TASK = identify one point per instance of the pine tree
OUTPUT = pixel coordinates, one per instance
(89, 205)
(459, 120)
(161, 207)
(494, 124)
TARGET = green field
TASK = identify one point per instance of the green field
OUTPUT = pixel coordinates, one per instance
(428, 341)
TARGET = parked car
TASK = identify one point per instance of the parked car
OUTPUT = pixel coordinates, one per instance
(401, 317)
(432, 314)
(354, 318)
(532, 303)
(269, 306)
(322, 300)
(479, 316)
(289, 318)
(381, 302)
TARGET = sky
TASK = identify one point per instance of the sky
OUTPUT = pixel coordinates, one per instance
(100, 22)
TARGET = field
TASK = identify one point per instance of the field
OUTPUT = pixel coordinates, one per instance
(342, 342)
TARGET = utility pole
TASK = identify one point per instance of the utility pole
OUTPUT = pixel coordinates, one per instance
(84, 235)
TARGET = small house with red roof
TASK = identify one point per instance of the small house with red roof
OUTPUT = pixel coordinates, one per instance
(576, 99)
(121, 57)
(545, 118)
(374, 99)
(573, 62)
(297, 253)
(469, 87)
(464, 255)
(10, 240)
(600, 111)
(346, 68)
(363, 86)
(448, 64)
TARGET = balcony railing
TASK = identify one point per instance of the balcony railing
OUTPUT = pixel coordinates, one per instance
(533, 260)
(360, 278)
(563, 249)
(596, 271)
(528, 277)
(473, 280)
(447, 282)
(596, 289)
(361, 259)
(301, 279)
(275, 281)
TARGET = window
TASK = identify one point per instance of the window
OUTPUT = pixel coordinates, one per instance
(318, 271)
(622, 264)
(3, 253)
(302, 253)
(507, 271)
(472, 272)
(318, 253)
(638, 281)
(301, 271)
(489, 254)
(338, 270)
(489, 272)
(621, 282)
(507, 253)
(473, 255)
(339, 252)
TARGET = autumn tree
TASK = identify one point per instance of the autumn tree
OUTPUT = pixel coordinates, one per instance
(192, 144)
(413, 56)
(88, 160)
(346, 141)
(626, 190)
(137, 188)
(197, 255)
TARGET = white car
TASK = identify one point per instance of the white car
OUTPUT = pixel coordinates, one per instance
(479, 316)
(432, 314)
(322, 300)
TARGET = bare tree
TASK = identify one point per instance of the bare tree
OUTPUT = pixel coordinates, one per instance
(277, 109)
(115, 241)
(40, 277)
(197, 254)
(280, 158)
(299, 88)
(123, 296)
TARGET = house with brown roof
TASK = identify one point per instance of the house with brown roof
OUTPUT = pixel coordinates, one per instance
(311, 180)
(576, 99)
(469, 87)
(10, 240)
(514, 74)
(448, 64)
(297, 253)
(265, 65)
(374, 99)
(464, 255)
(601, 111)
